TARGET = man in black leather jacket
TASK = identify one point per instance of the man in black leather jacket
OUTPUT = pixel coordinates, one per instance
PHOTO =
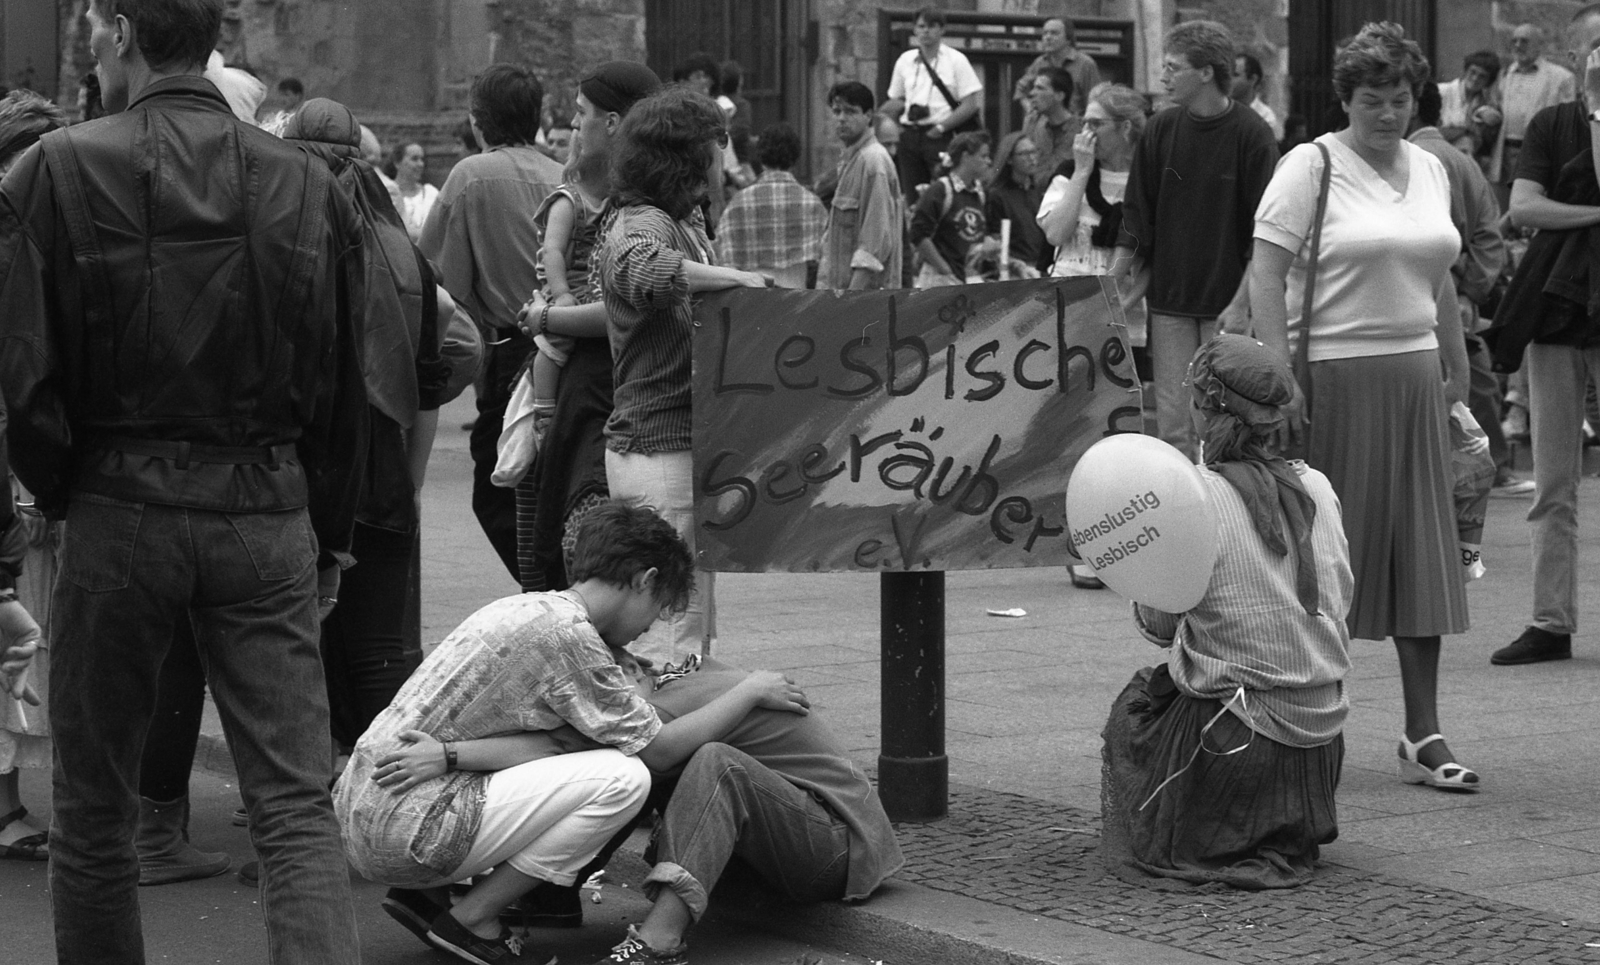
(178, 344)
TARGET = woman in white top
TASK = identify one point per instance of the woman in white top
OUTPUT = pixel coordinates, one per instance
(1383, 320)
(406, 163)
(1082, 210)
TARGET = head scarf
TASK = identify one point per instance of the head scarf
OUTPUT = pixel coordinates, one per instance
(617, 85)
(243, 92)
(1239, 386)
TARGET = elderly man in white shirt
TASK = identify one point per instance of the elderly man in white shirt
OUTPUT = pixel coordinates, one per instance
(1527, 87)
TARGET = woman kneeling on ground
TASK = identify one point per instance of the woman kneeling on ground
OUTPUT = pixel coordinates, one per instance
(1221, 764)
(461, 772)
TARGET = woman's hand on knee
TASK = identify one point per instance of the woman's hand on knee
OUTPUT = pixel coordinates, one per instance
(420, 758)
(775, 691)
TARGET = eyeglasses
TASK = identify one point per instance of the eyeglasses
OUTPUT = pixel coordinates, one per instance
(1095, 123)
(1026, 152)
(1168, 67)
(722, 138)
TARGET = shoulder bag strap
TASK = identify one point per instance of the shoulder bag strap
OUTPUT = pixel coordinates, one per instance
(937, 81)
(62, 159)
(1302, 355)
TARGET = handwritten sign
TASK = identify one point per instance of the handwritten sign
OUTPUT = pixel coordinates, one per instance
(854, 431)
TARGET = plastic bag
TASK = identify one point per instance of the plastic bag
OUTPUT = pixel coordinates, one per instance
(1474, 470)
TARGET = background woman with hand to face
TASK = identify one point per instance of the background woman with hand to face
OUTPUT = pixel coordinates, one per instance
(1383, 320)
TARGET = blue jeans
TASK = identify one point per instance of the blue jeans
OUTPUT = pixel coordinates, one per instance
(729, 804)
(247, 582)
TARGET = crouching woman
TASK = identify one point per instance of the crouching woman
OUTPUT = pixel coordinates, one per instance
(1221, 764)
(464, 770)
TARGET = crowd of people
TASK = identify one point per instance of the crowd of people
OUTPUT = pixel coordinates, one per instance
(223, 365)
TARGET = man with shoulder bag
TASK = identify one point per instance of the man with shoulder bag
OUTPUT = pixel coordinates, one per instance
(934, 93)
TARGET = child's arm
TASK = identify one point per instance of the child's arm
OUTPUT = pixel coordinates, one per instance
(557, 239)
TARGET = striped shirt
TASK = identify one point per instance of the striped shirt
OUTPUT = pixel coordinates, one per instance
(1250, 630)
(775, 223)
(650, 319)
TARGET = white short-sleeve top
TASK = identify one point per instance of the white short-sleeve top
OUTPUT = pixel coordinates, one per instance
(1385, 254)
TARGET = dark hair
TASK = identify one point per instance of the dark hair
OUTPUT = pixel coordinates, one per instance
(853, 92)
(170, 33)
(1205, 43)
(463, 132)
(1061, 79)
(1003, 173)
(1252, 67)
(700, 62)
(932, 16)
(732, 77)
(1429, 105)
(391, 162)
(1484, 60)
(507, 102)
(93, 106)
(292, 85)
(616, 541)
(663, 148)
(778, 147)
(969, 143)
(1378, 56)
(24, 118)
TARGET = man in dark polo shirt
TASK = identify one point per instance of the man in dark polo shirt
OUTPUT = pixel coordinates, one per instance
(1556, 192)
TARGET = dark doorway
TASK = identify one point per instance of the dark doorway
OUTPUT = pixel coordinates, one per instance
(772, 41)
(1315, 26)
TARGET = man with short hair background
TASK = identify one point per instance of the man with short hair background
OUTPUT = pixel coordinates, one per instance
(1058, 41)
(1198, 172)
(1247, 80)
(178, 346)
(774, 226)
(866, 224)
(1529, 84)
(485, 257)
(1051, 124)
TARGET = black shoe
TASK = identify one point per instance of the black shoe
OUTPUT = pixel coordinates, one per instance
(250, 873)
(546, 906)
(413, 909)
(1534, 646)
(507, 949)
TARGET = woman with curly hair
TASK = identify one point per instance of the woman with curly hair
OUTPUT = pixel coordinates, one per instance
(1375, 401)
(653, 255)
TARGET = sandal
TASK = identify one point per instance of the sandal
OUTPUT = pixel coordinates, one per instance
(1084, 579)
(1448, 776)
(34, 847)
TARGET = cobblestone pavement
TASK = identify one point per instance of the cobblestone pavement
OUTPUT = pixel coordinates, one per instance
(1042, 858)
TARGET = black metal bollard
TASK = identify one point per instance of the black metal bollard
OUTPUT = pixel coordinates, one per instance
(913, 771)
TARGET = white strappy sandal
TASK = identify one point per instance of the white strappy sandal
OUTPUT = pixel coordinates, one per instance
(1448, 776)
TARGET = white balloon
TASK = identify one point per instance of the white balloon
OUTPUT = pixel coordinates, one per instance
(1138, 514)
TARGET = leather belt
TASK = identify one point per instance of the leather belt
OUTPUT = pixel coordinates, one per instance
(183, 453)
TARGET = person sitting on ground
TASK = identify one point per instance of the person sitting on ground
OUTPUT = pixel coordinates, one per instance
(1221, 764)
(461, 774)
(778, 792)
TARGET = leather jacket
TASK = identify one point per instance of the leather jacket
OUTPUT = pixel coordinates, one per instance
(195, 342)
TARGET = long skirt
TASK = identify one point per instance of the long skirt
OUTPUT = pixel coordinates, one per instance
(1253, 819)
(1380, 433)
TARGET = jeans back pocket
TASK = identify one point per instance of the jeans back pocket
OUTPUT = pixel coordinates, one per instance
(98, 543)
(280, 544)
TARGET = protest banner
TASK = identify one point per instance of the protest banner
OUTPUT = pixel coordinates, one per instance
(901, 430)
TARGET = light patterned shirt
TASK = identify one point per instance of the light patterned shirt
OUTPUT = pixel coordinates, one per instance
(1525, 92)
(1251, 631)
(775, 223)
(531, 662)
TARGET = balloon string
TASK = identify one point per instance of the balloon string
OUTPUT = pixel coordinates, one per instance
(1201, 746)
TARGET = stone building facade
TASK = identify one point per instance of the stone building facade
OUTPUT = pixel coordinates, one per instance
(405, 66)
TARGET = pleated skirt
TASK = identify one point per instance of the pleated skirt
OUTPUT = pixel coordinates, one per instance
(1380, 433)
(1253, 820)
